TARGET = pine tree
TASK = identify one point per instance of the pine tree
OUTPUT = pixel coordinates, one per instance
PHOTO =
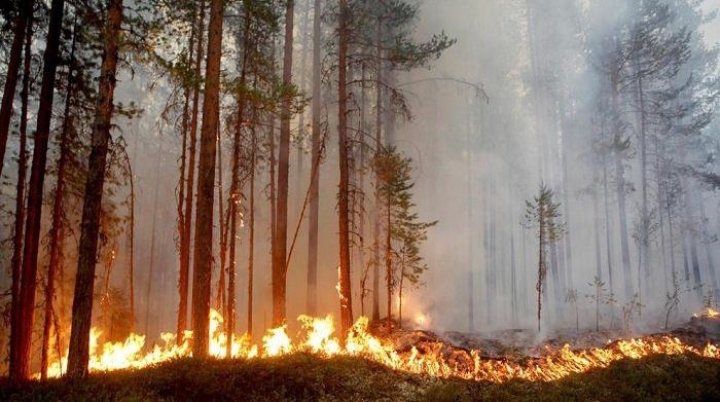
(543, 214)
(404, 232)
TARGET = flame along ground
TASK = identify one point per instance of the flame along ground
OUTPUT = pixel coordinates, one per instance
(318, 339)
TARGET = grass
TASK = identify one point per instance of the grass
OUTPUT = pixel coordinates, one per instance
(303, 377)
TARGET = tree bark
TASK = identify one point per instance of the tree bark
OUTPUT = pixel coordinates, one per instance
(378, 146)
(313, 225)
(279, 265)
(620, 188)
(21, 335)
(186, 239)
(57, 229)
(78, 355)
(343, 204)
(251, 250)
(153, 237)
(183, 220)
(234, 200)
(13, 71)
(202, 264)
(20, 193)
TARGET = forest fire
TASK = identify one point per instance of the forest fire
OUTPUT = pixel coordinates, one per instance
(434, 360)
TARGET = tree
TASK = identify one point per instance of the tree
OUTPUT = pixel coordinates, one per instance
(21, 332)
(404, 232)
(16, 263)
(279, 261)
(186, 235)
(543, 214)
(57, 230)
(344, 285)
(202, 261)
(78, 355)
(21, 31)
(313, 225)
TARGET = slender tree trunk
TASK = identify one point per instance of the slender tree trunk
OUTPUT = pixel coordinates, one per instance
(202, 264)
(361, 137)
(20, 193)
(251, 250)
(153, 237)
(131, 266)
(596, 227)
(57, 229)
(304, 34)
(78, 354)
(692, 240)
(21, 335)
(401, 281)
(541, 270)
(183, 222)
(234, 200)
(313, 226)
(471, 226)
(346, 316)
(186, 238)
(708, 249)
(644, 214)
(13, 71)
(378, 145)
(620, 189)
(279, 265)
(220, 304)
(608, 238)
(388, 257)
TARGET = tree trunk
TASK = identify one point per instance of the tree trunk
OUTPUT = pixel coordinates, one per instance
(251, 250)
(388, 257)
(20, 193)
(279, 265)
(57, 229)
(644, 243)
(224, 225)
(202, 264)
(620, 189)
(313, 225)
(21, 335)
(596, 232)
(608, 238)
(78, 354)
(22, 21)
(346, 315)
(471, 226)
(304, 35)
(186, 238)
(234, 199)
(131, 265)
(378, 200)
(153, 237)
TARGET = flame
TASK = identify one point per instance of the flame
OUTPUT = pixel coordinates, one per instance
(712, 313)
(433, 359)
(276, 342)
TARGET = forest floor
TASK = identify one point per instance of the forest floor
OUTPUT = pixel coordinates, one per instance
(304, 377)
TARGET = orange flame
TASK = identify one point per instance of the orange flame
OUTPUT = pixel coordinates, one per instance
(319, 339)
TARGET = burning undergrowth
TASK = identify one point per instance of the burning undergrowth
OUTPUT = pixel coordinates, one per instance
(416, 352)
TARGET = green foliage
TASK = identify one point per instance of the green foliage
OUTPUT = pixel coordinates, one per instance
(407, 232)
(598, 297)
(544, 214)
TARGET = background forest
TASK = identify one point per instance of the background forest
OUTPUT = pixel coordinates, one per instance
(165, 157)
